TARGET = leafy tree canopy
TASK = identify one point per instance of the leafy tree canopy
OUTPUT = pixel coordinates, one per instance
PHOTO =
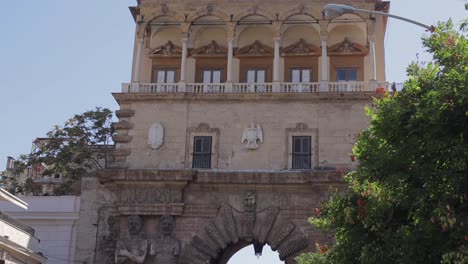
(408, 199)
(69, 151)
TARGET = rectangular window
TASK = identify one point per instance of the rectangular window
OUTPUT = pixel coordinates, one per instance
(346, 74)
(256, 76)
(300, 75)
(201, 152)
(165, 76)
(212, 76)
(301, 152)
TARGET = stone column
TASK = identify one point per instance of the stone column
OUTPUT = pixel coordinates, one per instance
(229, 60)
(139, 51)
(372, 57)
(229, 65)
(183, 63)
(373, 84)
(276, 60)
(324, 67)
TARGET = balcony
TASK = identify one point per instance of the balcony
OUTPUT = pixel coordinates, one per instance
(284, 87)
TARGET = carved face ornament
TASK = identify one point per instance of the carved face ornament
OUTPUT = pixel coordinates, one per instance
(250, 201)
(166, 225)
(135, 224)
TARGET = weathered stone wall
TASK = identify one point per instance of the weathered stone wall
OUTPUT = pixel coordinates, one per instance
(334, 121)
(213, 212)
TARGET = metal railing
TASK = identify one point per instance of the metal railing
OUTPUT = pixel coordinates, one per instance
(301, 161)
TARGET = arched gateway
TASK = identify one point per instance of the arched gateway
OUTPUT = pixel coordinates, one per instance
(213, 214)
(230, 132)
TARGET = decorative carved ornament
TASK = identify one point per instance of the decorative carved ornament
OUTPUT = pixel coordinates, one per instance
(252, 136)
(255, 49)
(347, 47)
(156, 135)
(167, 50)
(213, 49)
(300, 48)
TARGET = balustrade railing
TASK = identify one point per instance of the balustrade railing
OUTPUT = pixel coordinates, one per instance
(300, 87)
(285, 87)
(252, 87)
(349, 87)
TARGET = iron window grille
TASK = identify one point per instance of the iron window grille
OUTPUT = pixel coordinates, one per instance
(301, 153)
(202, 152)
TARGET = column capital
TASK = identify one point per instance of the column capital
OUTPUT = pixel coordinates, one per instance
(184, 38)
(185, 27)
(277, 38)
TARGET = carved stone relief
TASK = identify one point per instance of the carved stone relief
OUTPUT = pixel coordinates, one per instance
(133, 196)
(108, 241)
(282, 234)
(292, 247)
(252, 136)
(134, 247)
(250, 205)
(169, 49)
(156, 135)
(255, 49)
(300, 48)
(347, 47)
(165, 248)
(212, 49)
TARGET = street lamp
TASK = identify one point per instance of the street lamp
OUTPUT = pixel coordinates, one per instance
(334, 10)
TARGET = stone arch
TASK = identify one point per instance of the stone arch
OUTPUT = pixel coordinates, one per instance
(299, 10)
(293, 33)
(167, 14)
(245, 35)
(353, 32)
(197, 30)
(357, 29)
(205, 35)
(255, 10)
(232, 230)
(163, 35)
(209, 11)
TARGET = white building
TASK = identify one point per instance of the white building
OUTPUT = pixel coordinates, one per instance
(54, 219)
(18, 243)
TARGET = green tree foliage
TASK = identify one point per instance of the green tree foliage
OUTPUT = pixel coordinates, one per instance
(82, 144)
(408, 199)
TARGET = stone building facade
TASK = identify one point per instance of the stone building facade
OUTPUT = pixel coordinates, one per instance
(238, 122)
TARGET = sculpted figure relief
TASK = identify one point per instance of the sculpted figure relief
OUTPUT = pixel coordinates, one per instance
(133, 248)
(252, 136)
(165, 249)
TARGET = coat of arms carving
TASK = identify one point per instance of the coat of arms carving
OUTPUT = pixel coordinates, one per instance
(252, 136)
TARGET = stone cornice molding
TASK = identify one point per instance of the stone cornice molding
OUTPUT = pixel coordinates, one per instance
(133, 176)
(291, 97)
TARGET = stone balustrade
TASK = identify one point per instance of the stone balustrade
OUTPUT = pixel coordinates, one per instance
(283, 87)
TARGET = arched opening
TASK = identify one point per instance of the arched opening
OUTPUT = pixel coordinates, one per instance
(247, 255)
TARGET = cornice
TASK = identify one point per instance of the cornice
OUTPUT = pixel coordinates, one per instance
(123, 98)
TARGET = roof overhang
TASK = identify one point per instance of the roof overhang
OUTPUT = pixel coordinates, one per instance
(6, 196)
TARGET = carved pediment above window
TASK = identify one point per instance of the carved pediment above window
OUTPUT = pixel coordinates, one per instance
(167, 50)
(346, 47)
(255, 49)
(300, 48)
(213, 49)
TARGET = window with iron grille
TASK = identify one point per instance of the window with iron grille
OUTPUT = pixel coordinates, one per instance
(201, 152)
(301, 152)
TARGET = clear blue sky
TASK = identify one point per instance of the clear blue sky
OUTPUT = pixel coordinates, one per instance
(58, 58)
